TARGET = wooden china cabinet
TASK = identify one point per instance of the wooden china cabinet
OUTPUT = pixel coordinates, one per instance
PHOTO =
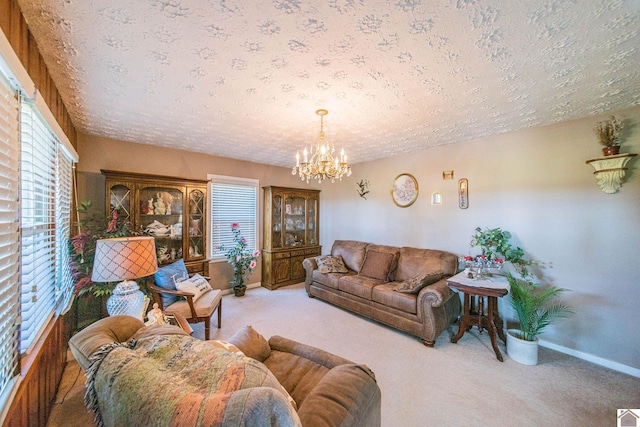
(172, 210)
(291, 234)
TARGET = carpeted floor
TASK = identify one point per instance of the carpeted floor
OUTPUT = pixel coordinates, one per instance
(448, 385)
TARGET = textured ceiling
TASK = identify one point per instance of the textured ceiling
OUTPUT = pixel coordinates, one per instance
(243, 78)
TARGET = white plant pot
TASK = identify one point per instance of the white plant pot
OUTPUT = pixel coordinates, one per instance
(522, 351)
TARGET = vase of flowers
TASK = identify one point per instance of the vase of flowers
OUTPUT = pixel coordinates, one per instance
(242, 259)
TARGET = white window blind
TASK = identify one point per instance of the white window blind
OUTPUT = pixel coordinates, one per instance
(64, 281)
(38, 216)
(233, 200)
(9, 238)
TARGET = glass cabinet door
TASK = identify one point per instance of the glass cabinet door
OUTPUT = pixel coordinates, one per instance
(276, 221)
(197, 224)
(294, 218)
(120, 201)
(160, 216)
(312, 221)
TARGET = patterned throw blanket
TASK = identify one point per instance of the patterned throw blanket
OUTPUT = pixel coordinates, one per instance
(181, 381)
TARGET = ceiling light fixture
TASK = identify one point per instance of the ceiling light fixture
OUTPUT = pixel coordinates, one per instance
(321, 164)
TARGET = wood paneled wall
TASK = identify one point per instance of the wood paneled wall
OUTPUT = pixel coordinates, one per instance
(42, 370)
(15, 28)
(41, 373)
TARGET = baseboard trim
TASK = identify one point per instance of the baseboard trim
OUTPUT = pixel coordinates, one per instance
(634, 372)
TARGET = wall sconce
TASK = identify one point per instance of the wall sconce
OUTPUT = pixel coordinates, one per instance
(610, 171)
(436, 198)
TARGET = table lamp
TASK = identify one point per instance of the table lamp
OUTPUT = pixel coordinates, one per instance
(125, 259)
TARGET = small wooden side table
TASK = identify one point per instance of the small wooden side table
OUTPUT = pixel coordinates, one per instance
(474, 314)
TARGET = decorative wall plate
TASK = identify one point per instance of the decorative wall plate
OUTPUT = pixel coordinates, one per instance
(404, 190)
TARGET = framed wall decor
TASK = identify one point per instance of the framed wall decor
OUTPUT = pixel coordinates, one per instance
(404, 190)
(463, 193)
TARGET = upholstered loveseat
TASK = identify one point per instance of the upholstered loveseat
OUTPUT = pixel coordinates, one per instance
(159, 375)
(402, 287)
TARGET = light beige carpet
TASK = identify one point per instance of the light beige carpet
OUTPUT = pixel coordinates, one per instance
(448, 385)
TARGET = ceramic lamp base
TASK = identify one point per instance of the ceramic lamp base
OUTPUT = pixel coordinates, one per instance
(127, 300)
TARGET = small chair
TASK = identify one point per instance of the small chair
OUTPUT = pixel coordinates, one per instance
(195, 312)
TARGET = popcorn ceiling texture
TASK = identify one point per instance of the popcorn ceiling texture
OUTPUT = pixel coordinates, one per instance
(242, 79)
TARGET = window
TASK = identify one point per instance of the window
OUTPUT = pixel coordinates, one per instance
(9, 238)
(233, 200)
(45, 180)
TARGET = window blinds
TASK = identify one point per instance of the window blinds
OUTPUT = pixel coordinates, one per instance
(45, 205)
(64, 281)
(9, 238)
(233, 201)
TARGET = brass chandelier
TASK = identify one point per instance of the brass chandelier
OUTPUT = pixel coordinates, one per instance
(319, 162)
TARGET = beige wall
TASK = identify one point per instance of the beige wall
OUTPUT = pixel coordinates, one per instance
(100, 153)
(534, 183)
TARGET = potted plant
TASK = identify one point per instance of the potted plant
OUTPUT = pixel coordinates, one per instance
(609, 135)
(495, 245)
(536, 309)
(242, 259)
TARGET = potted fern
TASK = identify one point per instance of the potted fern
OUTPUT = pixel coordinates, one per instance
(536, 308)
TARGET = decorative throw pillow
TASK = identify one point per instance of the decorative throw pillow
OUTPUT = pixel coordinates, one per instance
(377, 265)
(251, 343)
(415, 284)
(197, 285)
(331, 264)
(166, 278)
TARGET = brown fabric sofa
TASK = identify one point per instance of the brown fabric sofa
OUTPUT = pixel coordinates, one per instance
(425, 314)
(327, 389)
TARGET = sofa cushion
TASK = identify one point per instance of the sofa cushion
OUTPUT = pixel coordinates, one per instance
(415, 284)
(167, 276)
(331, 264)
(104, 331)
(329, 279)
(360, 286)
(414, 261)
(351, 251)
(391, 250)
(377, 265)
(251, 343)
(384, 294)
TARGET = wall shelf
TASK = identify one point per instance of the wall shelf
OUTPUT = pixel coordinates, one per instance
(610, 171)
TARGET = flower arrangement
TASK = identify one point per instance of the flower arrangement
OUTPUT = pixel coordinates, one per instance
(82, 247)
(494, 242)
(241, 258)
(609, 132)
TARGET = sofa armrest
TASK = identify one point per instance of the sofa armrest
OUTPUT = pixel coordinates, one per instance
(347, 395)
(314, 354)
(436, 294)
(309, 265)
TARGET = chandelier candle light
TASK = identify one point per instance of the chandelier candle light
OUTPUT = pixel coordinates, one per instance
(125, 258)
(321, 165)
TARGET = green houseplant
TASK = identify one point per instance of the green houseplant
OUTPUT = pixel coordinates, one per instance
(536, 308)
(495, 243)
(242, 259)
(535, 305)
